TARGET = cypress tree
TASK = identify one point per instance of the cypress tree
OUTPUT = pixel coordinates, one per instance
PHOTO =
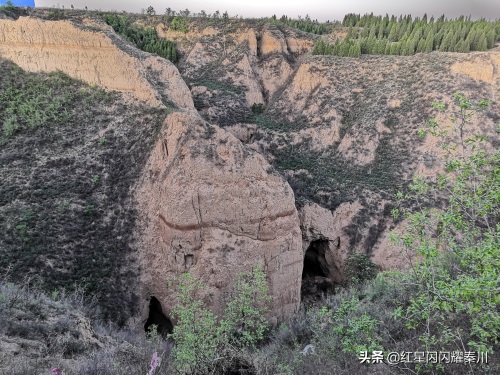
(490, 38)
(421, 45)
(395, 48)
(381, 30)
(482, 44)
(447, 43)
(387, 49)
(393, 35)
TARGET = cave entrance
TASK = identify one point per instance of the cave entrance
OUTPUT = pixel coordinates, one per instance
(316, 275)
(158, 318)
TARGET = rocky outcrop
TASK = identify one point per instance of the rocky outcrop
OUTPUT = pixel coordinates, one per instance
(96, 56)
(214, 208)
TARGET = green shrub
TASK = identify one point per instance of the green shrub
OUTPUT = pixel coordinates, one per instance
(359, 268)
(458, 247)
(206, 343)
(32, 105)
(179, 24)
(195, 334)
(258, 108)
(244, 323)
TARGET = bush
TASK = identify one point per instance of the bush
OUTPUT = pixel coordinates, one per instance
(258, 108)
(458, 247)
(179, 24)
(359, 268)
(195, 334)
(204, 343)
(34, 104)
(244, 323)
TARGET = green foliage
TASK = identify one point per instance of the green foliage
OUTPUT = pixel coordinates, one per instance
(9, 6)
(179, 24)
(201, 339)
(144, 39)
(56, 14)
(304, 24)
(23, 226)
(244, 323)
(455, 251)
(195, 334)
(33, 104)
(89, 209)
(379, 35)
(359, 268)
(258, 108)
(347, 329)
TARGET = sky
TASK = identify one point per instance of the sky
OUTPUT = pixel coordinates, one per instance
(321, 10)
(19, 2)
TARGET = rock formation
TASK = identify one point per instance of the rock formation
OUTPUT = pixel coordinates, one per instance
(93, 53)
(342, 131)
(214, 208)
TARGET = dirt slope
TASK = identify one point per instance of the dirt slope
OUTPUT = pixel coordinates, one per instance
(91, 52)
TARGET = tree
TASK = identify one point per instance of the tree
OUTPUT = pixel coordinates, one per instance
(244, 323)
(195, 336)
(151, 11)
(455, 250)
(429, 42)
(201, 339)
(319, 48)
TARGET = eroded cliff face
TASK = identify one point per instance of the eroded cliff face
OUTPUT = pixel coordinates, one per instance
(214, 208)
(91, 52)
(344, 132)
(207, 203)
(234, 66)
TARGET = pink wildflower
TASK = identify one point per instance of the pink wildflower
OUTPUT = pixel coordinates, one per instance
(56, 371)
(155, 362)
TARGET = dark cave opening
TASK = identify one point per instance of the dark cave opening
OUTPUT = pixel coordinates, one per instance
(315, 275)
(314, 260)
(158, 318)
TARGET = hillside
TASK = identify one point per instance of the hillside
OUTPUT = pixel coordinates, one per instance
(120, 169)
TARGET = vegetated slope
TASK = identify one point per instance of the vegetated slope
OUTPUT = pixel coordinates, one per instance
(41, 331)
(346, 130)
(232, 65)
(275, 222)
(89, 50)
(69, 156)
(343, 131)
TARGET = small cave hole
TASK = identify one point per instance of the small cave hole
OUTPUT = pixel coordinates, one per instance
(158, 318)
(316, 275)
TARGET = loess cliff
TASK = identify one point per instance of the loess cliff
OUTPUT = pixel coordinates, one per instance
(250, 152)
